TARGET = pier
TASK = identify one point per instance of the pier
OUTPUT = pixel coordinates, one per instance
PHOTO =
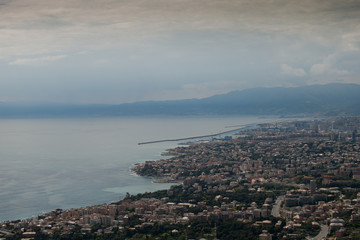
(195, 137)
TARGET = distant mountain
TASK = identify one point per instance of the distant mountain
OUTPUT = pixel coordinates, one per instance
(326, 99)
(330, 99)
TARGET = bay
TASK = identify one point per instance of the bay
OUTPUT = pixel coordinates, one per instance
(69, 163)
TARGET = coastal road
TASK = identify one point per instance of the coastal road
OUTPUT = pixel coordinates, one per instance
(275, 211)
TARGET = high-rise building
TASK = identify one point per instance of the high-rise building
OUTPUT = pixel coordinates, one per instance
(354, 136)
(312, 187)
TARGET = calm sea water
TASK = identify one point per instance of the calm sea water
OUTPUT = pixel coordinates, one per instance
(69, 163)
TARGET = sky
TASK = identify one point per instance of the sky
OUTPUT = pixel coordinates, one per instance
(117, 51)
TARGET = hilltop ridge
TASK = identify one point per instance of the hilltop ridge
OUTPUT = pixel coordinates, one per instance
(329, 99)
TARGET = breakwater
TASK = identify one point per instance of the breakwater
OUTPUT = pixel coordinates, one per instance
(197, 137)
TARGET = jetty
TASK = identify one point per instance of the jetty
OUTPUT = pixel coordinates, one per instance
(195, 137)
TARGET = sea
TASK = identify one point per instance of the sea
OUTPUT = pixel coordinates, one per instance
(46, 164)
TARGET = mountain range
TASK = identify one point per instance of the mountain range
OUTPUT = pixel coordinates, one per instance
(329, 99)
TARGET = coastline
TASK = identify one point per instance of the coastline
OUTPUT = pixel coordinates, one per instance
(226, 180)
(131, 173)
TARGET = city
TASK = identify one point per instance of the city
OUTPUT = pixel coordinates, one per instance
(284, 180)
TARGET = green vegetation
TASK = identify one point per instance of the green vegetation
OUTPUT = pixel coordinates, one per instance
(178, 195)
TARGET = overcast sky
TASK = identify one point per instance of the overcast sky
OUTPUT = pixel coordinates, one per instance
(115, 51)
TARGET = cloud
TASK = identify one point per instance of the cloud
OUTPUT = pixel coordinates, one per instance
(149, 49)
(342, 63)
(296, 72)
(326, 68)
(351, 42)
(42, 25)
(36, 61)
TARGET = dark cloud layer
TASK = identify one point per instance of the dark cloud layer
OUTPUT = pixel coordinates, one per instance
(114, 51)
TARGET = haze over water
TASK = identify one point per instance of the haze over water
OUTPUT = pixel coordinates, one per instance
(67, 163)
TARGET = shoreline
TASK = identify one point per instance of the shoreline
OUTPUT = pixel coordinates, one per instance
(222, 179)
(133, 173)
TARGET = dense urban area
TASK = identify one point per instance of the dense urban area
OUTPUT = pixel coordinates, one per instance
(284, 180)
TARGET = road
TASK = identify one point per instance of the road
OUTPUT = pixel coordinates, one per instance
(275, 211)
(322, 234)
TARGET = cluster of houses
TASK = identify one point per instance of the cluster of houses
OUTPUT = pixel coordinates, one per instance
(311, 166)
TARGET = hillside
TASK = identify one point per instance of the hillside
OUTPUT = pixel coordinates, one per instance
(330, 99)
